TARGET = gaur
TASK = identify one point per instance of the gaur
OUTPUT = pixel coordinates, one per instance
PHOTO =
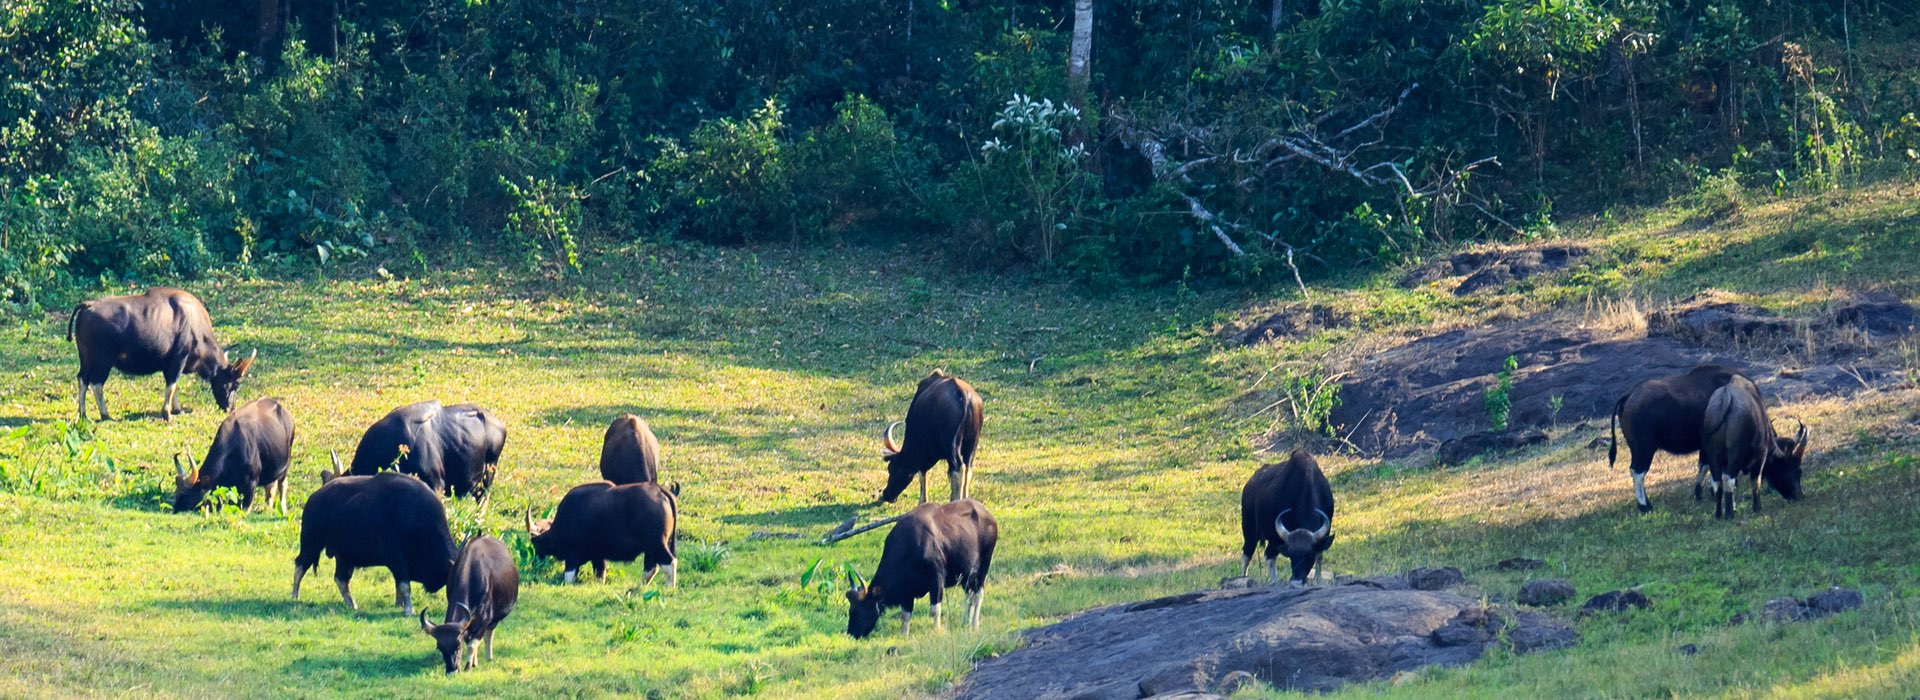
(164, 330)
(480, 594)
(454, 449)
(943, 423)
(1738, 440)
(629, 454)
(931, 548)
(599, 522)
(388, 519)
(1288, 506)
(251, 449)
(1662, 415)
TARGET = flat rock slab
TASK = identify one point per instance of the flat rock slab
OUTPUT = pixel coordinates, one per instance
(1313, 639)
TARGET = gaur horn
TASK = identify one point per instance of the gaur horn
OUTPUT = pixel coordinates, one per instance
(1800, 439)
(244, 365)
(424, 626)
(1326, 525)
(1279, 522)
(178, 470)
(335, 454)
(890, 449)
(528, 514)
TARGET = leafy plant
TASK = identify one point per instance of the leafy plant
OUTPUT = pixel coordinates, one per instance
(1310, 399)
(704, 556)
(1498, 399)
(1554, 404)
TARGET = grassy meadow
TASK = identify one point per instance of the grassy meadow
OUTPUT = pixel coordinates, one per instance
(1119, 431)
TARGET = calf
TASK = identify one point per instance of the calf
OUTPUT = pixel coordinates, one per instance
(1278, 506)
(164, 330)
(481, 593)
(454, 449)
(252, 448)
(931, 548)
(943, 423)
(1662, 415)
(1738, 440)
(600, 522)
(629, 454)
(390, 519)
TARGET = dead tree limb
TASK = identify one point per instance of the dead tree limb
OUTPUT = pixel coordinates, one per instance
(846, 529)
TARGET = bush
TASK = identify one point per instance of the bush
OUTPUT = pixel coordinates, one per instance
(858, 176)
(731, 183)
(1020, 198)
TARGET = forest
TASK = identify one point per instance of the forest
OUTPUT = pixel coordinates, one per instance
(1118, 143)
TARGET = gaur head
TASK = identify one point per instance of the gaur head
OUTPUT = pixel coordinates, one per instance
(537, 532)
(897, 480)
(187, 491)
(1302, 546)
(863, 607)
(449, 637)
(226, 380)
(1782, 470)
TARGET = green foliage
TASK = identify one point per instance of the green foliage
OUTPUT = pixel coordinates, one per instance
(61, 459)
(704, 556)
(731, 183)
(1019, 198)
(1310, 398)
(1498, 398)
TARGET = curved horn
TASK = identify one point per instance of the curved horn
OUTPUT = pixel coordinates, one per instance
(1326, 525)
(528, 514)
(335, 454)
(178, 470)
(1800, 439)
(424, 625)
(1279, 524)
(890, 448)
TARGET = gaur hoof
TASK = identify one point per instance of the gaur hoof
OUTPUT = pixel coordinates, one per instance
(1645, 508)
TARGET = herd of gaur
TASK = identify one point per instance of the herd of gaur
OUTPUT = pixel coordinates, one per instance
(384, 509)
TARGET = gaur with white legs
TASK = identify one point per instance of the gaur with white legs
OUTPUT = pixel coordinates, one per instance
(600, 522)
(1663, 415)
(480, 594)
(252, 448)
(932, 548)
(1288, 506)
(388, 519)
(164, 330)
(943, 423)
(1737, 440)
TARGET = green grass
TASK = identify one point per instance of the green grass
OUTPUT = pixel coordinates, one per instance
(1119, 432)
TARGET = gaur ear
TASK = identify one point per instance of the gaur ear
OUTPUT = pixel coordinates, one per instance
(240, 368)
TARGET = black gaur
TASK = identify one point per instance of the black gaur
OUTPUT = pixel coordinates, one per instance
(943, 423)
(1289, 506)
(251, 449)
(480, 594)
(931, 548)
(629, 454)
(599, 522)
(1737, 439)
(1662, 415)
(388, 519)
(454, 449)
(164, 330)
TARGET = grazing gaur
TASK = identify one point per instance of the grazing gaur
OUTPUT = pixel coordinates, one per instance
(164, 330)
(943, 423)
(629, 454)
(1738, 440)
(389, 519)
(454, 449)
(481, 593)
(1289, 506)
(933, 547)
(599, 522)
(1662, 415)
(251, 449)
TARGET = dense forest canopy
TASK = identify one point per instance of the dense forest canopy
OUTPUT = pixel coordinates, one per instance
(1237, 141)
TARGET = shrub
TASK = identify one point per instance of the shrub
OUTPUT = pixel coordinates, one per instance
(731, 183)
(1019, 198)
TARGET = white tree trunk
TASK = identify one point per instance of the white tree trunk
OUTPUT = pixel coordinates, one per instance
(1080, 54)
(1275, 17)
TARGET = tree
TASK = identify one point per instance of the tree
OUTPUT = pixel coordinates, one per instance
(1080, 54)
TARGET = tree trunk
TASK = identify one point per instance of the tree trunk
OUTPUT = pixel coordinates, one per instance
(1274, 18)
(1080, 54)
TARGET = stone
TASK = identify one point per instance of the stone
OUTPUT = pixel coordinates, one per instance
(1536, 632)
(1235, 583)
(1461, 449)
(1545, 592)
(1782, 610)
(1519, 564)
(1313, 639)
(1616, 601)
(1834, 600)
(1687, 649)
(1435, 579)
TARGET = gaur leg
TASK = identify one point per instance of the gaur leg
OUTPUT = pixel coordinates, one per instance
(343, 577)
(403, 594)
(1698, 479)
(923, 488)
(957, 483)
(489, 644)
(935, 599)
(167, 400)
(1641, 461)
(572, 570)
(973, 606)
(100, 399)
(299, 572)
(673, 573)
(1246, 561)
(647, 574)
(600, 569)
(473, 654)
(81, 385)
(281, 487)
(246, 498)
(1273, 565)
(906, 621)
(1756, 492)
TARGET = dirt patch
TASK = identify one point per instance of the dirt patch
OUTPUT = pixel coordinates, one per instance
(1490, 269)
(1312, 639)
(1290, 323)
(1426, 392)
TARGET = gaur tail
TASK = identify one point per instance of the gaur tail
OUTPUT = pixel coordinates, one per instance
(74, 318)
(1613, 431)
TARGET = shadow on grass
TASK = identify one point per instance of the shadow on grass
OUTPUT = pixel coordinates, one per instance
(309, 607)
(807, 517)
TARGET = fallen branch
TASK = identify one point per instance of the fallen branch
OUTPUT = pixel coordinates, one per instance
(846, 529)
